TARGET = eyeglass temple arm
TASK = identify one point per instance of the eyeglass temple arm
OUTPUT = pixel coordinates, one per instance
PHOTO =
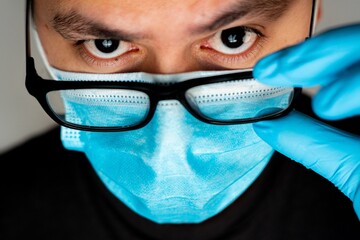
(30, 65)
(313, 17)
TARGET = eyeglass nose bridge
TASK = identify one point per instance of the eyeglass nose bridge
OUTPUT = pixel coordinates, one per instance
(168, 92)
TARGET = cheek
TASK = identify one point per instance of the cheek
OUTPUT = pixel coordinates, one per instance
(288, 33)
(293, 27)
(59, 52)
(55, 49)
(283, 39)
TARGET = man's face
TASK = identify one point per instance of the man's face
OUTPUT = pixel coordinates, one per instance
(167, 36)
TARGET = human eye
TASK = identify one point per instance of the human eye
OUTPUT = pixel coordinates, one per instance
(233, 40)
(234, 45)
(104, 52)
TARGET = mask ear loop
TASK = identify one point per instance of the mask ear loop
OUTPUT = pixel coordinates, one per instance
(34, 42)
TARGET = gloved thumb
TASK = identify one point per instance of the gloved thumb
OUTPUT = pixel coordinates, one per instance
(332, 153)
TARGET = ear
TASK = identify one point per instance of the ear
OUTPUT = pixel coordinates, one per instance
(319, 10)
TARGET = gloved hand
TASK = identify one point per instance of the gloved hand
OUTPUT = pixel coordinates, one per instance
(331, 60)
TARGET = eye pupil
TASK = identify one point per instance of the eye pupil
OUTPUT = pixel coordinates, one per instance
(107, 45)
(233, 37)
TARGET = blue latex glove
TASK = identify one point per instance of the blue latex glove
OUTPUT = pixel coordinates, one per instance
(331, 60)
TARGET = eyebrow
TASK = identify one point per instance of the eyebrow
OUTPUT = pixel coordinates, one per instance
(74, 26)
(269, 10)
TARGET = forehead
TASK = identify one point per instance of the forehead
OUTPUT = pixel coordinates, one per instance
(131, 6)
(113, 11)
(138, 8)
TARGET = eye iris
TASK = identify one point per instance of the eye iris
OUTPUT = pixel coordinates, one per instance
(233, 37)
(107, 45)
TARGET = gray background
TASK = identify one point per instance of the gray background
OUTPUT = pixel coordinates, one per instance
(22, 117)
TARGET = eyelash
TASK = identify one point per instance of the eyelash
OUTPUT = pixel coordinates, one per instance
(103, 62)
(215, 55)
(236, 58)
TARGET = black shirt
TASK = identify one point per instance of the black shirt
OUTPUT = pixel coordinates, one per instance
(48, 192)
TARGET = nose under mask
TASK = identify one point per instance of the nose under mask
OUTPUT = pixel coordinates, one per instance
(176, 169)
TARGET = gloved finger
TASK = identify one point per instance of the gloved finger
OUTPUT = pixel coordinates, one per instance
(332, 153)
(316, 61)
(340, 99)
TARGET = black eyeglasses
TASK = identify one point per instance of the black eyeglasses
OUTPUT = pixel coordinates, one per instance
(120, 106)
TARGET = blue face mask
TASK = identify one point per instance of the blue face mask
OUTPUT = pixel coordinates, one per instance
(176, 169)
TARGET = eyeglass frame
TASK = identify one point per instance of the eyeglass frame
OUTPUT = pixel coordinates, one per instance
(38, 87)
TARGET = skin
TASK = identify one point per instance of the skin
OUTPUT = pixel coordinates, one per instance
(168, 43)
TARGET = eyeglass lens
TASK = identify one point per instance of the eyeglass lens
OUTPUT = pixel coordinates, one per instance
(224, 101)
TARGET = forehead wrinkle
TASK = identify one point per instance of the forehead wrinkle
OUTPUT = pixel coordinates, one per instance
(269, 10)
(73, 25)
